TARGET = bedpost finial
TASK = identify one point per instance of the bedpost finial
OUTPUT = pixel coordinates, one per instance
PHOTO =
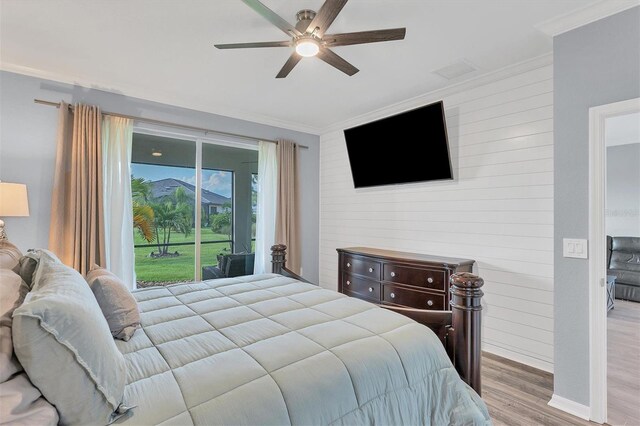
(278, 254)
(466, 280)
(278, 248)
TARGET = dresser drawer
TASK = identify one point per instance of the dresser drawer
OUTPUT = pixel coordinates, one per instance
(361, 266)
(361, 287)
(432, 279)
(413, 298)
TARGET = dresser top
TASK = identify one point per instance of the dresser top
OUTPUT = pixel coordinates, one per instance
(405, 256)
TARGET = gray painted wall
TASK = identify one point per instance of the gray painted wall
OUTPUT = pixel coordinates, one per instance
(593, 65)
(623, 190)
(27, 151)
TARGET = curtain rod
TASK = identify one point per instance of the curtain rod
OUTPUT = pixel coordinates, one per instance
(168, 123)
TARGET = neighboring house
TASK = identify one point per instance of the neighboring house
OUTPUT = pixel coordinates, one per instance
(212, 203)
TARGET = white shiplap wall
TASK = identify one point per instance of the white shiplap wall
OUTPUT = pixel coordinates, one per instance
(498, 211)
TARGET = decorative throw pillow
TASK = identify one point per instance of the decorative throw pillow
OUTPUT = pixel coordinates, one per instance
(116, 302)
(27, 266)
(20, 401)
(64, 344)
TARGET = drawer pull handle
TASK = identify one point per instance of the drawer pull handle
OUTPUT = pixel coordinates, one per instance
(348, 282)
(393, 274)
(370, 289)
(430, 280)
(393, 295)
(370, 269)
(348, 265)
(429, 302)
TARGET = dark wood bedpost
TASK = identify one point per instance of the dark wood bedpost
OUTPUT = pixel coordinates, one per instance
(466, 309)
(278, 258)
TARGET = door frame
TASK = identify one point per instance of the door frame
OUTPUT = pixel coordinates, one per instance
(598, 253)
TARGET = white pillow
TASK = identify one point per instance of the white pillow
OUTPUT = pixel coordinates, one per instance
(64, 344)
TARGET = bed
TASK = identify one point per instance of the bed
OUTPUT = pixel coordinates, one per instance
(257, 350)
(270, 349)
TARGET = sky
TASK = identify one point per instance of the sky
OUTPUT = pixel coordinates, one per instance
(216, 181)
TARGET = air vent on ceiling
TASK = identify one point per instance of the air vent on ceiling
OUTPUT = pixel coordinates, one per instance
(455, 70)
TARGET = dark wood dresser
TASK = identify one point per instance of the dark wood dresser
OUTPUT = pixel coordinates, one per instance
(396, 278)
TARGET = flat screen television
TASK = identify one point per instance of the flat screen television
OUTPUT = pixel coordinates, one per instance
(408, 147)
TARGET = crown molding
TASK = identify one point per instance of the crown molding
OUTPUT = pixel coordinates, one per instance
(157, 96)
(438, 94)
(584, 15)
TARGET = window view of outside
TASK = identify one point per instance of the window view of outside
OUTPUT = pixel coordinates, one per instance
(163, 179)
(164, 210)
(217, 215)
(164, 215)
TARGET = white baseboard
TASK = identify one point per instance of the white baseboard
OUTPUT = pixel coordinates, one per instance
(570, 407)
(518, 357)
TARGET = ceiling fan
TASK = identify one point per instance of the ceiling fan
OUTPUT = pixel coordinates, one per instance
(309, 39)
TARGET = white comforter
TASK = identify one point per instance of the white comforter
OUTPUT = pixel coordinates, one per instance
(270, 350)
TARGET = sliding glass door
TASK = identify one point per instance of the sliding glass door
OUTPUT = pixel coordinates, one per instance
(227, 191)
(193, 203)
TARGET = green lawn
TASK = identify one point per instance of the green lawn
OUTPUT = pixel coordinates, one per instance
(180, 268)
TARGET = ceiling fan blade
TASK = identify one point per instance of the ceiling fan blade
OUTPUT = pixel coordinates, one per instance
(325, 16)
(362, 37)
(288, 66)
(336, 61)
(272, 17)
(256, 44)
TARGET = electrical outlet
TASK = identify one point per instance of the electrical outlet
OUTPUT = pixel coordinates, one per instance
(576, 248)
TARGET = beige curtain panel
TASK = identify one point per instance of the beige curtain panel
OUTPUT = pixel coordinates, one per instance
(76, 234)
(287, 221)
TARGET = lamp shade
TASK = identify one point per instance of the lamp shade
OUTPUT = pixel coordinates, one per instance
(13, 199)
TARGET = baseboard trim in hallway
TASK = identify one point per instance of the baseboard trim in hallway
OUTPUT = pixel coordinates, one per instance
(569, 406)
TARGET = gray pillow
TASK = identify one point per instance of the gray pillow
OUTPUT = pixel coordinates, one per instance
(64, 344)
(27, 266)
(116, 302)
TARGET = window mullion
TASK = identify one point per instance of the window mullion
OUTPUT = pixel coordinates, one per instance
(198, 210)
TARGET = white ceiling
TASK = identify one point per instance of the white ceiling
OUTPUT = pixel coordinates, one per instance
(163, 50)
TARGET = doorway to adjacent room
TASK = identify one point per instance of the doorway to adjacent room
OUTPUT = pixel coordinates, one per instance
(614, 259)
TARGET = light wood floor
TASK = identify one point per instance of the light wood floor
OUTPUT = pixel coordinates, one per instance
(623, 369)
(517, 395)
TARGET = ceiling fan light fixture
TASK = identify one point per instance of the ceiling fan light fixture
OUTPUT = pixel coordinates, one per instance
(307, 47)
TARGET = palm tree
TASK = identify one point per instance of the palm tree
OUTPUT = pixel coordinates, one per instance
(140, 189)
(143, 220)
(172, 214)
(143, 215)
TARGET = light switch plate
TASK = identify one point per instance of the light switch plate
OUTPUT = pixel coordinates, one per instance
(577, 248)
